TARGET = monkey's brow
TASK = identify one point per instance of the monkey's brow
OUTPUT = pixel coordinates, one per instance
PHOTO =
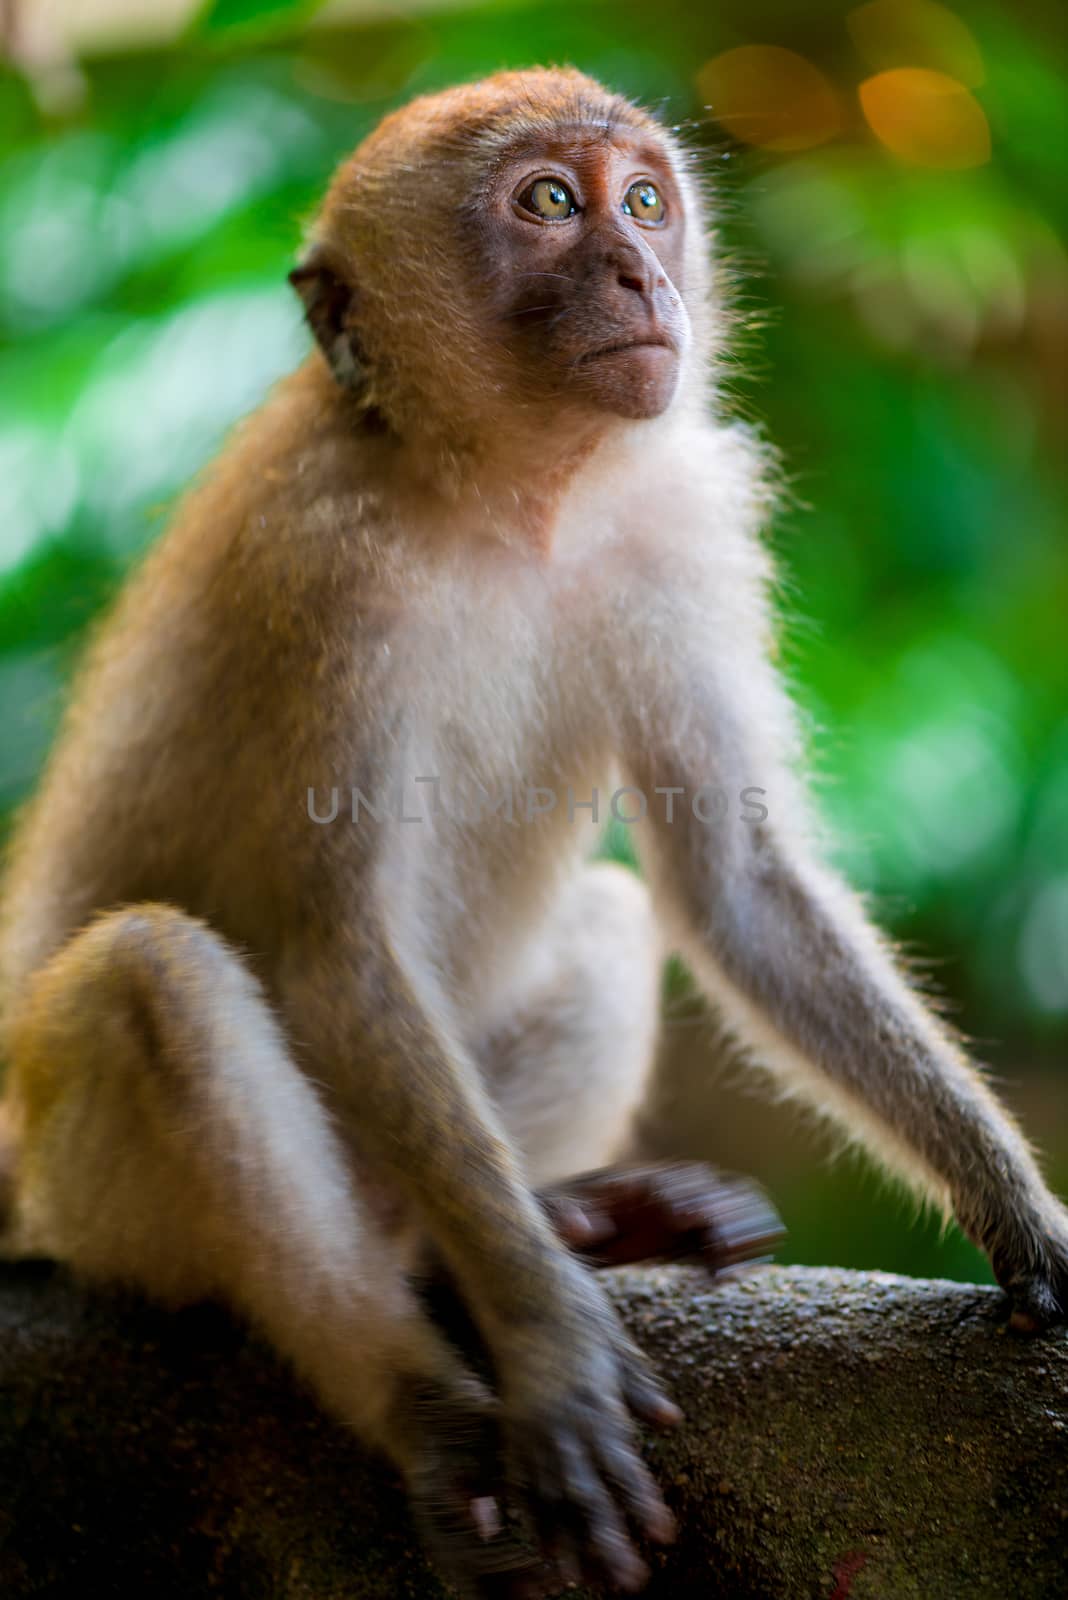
(525, 141)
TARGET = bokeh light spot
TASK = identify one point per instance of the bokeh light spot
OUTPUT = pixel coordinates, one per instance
(771, 97)
(926, 118)
(39, 483)
(916, 33)
(1043, 948)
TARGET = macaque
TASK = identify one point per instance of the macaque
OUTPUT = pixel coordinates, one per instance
(493, 539)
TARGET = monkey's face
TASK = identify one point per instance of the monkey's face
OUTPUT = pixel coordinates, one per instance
(583, 258)
(506, 248)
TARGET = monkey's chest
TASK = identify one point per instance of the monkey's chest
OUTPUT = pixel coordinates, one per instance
(499, 776)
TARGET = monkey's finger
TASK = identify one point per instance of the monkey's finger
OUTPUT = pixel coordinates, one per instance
(604, 1537)
(646, 1400)
(557, 1526)
(697, 1197)
(575, 1519)
(486, 1516)
(727, 1223)
(577, 1224)
(638, 1489)
(743, 1226)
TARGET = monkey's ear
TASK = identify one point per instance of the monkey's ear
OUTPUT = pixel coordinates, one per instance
(329, 306)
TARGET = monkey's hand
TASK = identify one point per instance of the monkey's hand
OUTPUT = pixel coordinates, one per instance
(569, 1391)
(558, 1450)
(1032, 1268)
(663, 1211)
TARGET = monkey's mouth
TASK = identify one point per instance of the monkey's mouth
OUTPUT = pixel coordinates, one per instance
(627, 347)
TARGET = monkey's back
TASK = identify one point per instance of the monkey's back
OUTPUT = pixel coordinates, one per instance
(195, 718)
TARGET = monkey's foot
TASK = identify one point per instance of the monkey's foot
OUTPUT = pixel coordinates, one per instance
(455, 1482)
(551, 1509)
(663, 1211)
(1038, 1295)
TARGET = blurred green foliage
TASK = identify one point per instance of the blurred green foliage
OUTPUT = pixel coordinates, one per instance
(901, 331)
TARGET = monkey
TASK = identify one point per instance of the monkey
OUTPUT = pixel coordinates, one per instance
(497, 535)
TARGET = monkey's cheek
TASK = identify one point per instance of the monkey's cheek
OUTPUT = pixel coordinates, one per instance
(636, 384)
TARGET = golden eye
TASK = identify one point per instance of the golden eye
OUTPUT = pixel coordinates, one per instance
(549, 199)
(643, 202)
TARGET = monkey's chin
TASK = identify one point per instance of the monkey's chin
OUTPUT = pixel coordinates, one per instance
(636, 382)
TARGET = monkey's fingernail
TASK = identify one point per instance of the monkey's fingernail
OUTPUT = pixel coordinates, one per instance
(486, 1517)
(661, 1526)
(599, 1227)
(749, 1236)
(580, 1226)
(630, 1572)
(665, 1412)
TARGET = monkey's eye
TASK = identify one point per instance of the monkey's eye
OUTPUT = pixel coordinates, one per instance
(549, 199)
(644, 203)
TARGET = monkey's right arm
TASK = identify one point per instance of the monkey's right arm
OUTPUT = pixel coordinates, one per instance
(415, 1111)
(810, 987)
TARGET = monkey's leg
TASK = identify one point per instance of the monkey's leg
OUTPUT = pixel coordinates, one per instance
(167, 1140)
(375, 1021)
(569, 1069)
(568, 1061)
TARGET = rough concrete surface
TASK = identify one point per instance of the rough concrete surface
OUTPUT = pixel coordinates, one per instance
(848, 1435)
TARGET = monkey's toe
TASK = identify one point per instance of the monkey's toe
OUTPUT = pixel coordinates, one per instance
(467, 1540)
(1037, 1289)
(1036, 1306)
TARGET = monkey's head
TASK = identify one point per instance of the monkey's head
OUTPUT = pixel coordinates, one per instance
(524, 248)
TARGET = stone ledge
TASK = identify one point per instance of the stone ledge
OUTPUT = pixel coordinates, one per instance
(849, 1435)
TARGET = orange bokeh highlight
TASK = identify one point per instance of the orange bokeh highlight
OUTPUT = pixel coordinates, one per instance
(770, 97)
(916, 33)
(926, 118)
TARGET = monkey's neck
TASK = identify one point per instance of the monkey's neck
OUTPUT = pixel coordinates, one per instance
(508, 485)
(500, 478)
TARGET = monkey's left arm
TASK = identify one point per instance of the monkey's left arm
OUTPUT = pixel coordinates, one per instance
(785, 950)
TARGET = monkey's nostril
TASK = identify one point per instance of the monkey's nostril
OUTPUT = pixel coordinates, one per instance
(628, 281)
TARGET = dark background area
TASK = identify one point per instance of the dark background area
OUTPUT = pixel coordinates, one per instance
(890, 190)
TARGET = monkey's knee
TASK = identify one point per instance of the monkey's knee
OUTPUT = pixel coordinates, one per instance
(104, 1046)
(143, 988)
